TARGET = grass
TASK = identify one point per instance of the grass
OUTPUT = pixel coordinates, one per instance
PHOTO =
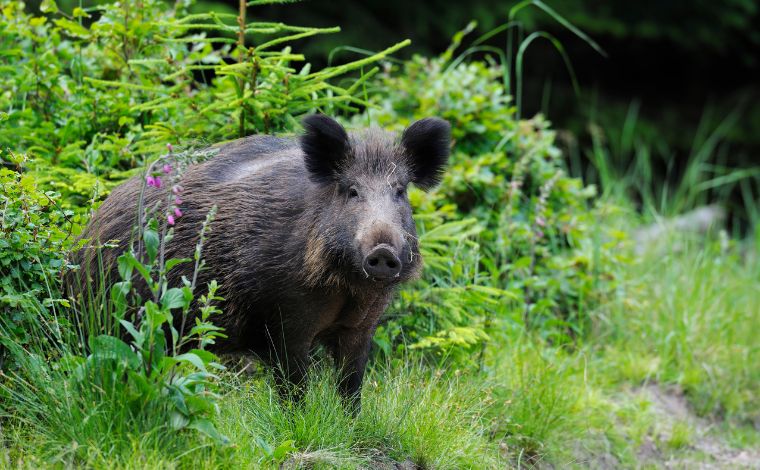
(669, 362)
(682, 319)
(412, 413)
(690, 318)
(658, 178)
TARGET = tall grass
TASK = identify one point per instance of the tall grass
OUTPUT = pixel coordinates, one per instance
(410, 413)
(690, 317)
(659, 180)
(67, 414)
(686, 318)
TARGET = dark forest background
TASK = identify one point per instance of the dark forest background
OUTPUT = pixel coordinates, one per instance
(679, 61)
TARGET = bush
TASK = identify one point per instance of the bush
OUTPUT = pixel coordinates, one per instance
(510, 241)
(33, 237)
(122, 353)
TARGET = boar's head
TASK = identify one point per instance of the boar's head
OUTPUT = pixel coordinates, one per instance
(365, 228)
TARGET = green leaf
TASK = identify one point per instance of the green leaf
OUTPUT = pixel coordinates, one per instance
(193, 359)
(111, 348)
(206, 427)
(206, 356)
(139, 337)
(174, 262)
(119, 293)
(150, 237)
(72, 28)
(282, 450)
(129, 257)
(48, 6)
(173, 298)
(80, 13)
(155, 315)
(178, 420)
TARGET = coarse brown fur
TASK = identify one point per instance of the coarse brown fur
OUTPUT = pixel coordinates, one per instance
(295, 225)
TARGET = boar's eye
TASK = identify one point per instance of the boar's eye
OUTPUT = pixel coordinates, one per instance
(352, 192)
(400, 192)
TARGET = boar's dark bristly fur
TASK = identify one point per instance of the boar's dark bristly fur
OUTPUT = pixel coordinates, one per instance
(310, 239)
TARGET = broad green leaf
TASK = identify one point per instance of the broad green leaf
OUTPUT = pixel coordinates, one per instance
(150, 237)
(73, 28)
(206, 427)
(48, 6)
(139, 337)
(193, 359)
(109, 347)
(173, 298)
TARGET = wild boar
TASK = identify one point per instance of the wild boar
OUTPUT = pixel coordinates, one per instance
(311, 237)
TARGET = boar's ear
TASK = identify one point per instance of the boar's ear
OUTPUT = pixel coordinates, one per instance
(325, 146)
(427, 144)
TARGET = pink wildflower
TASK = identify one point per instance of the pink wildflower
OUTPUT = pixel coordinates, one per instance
(169, 147)
(177, 200)
(153, 181)
(167, 168)
(177, 212)
(540, 221)
(177, 189)
(170, 219)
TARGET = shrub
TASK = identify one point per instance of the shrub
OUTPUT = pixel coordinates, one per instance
(33, 237)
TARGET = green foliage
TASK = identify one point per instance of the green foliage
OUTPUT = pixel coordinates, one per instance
(90, 95)
(632, 162)
(524, 269)
(157, 366)
(135, 360)
(96, 92)
(33, 239)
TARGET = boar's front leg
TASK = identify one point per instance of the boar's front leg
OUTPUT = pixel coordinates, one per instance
(351, 351)
(290, 357)
(351, 344)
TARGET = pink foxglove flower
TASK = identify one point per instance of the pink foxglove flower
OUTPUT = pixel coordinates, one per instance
(177, 200)
(170, 219)
(169, 147)
(167, 168)
(177, 212)
(177, 189)
(150, 180)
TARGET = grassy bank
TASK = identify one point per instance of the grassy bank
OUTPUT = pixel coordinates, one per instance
(667, 377)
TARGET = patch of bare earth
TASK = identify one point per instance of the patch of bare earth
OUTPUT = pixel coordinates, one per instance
(702, 449)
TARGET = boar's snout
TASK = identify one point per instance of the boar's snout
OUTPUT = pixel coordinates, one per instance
(382, 263)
